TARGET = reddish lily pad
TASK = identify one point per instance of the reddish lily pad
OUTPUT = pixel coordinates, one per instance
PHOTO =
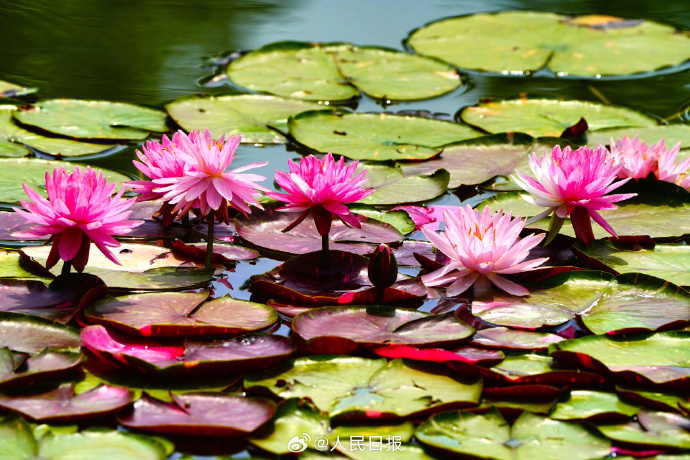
(60, 301)
(207, 414)
(18, 371)
(662, 358)
(63, 405)
(12, 223)
(152, 228)
(180, 314)
(31, 334)
(265, 229)
(344, 330)
(470, 355)
(223, 253)
(186, 357)
(503, 337)
(342, 279)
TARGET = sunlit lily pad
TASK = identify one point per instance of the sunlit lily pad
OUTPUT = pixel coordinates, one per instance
(505, 338)
(206, 414)
(17, 370)
(595, 406)
(341, 279)
(333, 72)
(8, 89)
(265, 229)
(31, 334)
(535, 368)
(376, 136)
(657, 429)
(519, 42)
(14, 137)
(249, 115)
(426, 187)
(653, 399)
(661, 358)
(397, 218)
(17, 438)
(180, 314)
(60, 301)
(94, 119)
(549, 117)
(144, 267)
(672, 134)
(32, 171)
(530, 437)
(184, 357)
(471, 355)
(349, 387)
(10, 267)
(63, 405)
(344, 330)
(224, 253)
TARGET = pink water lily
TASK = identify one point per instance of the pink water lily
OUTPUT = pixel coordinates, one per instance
(668, 170)
(636, 160)
(482, 246)
(80, 209)
(206, 181)
(573, 184)
(322, 188)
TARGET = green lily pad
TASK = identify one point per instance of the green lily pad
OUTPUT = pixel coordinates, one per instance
(376, 136)
(30, 334)
(658, 429)
(349, 387)
(593, 405)
(672, 134)
(660, 358)
(8, 89)
(530, 437)
(249, 115)
(549, 117)
(32, 171)
(14, 140)
(653, 399)
(10, 267)
(398, 219)
(426, 187)
(535, 368)
(333, 72)
(519, 42)
(17, 442)
(516, 339)
(94, 119)
(666, 261)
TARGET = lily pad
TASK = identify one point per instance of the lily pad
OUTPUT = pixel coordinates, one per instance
(478, 356)
(344, 330)
(10, 267)
(519, 42)
(530, 437)
(340, 279)
(333, 72)
(14, 137)
(144, 267)
(31, 334)
(93, 119)
(249, 115)
(179, 314)
(63, 405)
(549, 117)
(17, 438)
(8, 89)
(662, 358)
(376, 136)
(348, 387)
(206, 414)
(657, 429)
(426, 187)
(653, 399)
(672, 134)
(223, 253)
(535, 368)
(32, 172)
(595, 406)
(185, 357)
(665, 261)
(504, 338)
(265, 229)
(60, 301)
(398, 219)
(12, 223)
(20, 371)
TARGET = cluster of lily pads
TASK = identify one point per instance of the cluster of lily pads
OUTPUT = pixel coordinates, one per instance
(334, 343)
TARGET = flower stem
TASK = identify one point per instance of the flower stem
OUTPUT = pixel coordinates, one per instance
(379, 296)
(324, 244)
(209, 240)
(66, 267)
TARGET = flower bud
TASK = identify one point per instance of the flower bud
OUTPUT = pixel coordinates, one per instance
(383, 268)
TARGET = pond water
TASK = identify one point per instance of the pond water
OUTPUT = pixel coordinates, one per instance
(152, 52)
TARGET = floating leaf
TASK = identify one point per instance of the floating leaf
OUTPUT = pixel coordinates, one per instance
(593, 405)
(672, 134)
(249, 115)
(63, 405)
(11, 268)
(504, 338)
(20, 371)
(207, 414)
(519, 42)
(223, 253)
(332, 72)
(31, 334)
(344, 330)
(348, 387)
(470, 355)
(185, 357)
(8, 89)
(489, 436)
(426, 187)
(265, 229)
(534, 368)
(376, 136)
(653, 399)
(398, 219)
(94, 119)
(549, 117)
(180, 314)
(652, 429)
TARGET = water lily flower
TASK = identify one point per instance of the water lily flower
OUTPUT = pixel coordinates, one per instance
(383, 267)
(636, 160)
(322, 188)
(481, 246)
(573, 184)
(80, 209)
(206, 180)
(668, 170)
